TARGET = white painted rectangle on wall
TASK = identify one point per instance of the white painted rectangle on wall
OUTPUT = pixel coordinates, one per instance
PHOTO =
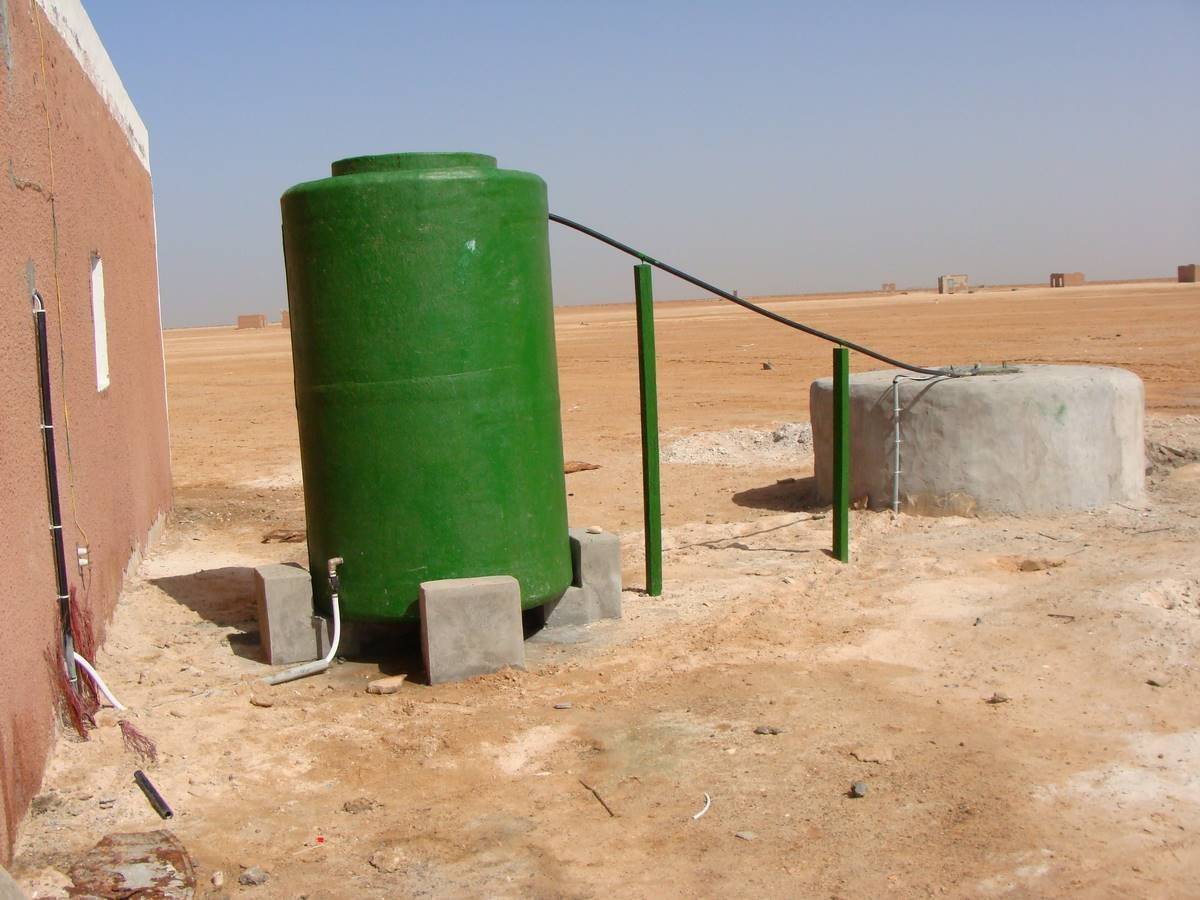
(99, 323)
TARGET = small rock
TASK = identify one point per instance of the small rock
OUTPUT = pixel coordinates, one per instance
(767, 367)
(388, 859)
(595, 529)
(389, 685)
(858, 789)
(997, 697)
(1158, 680)
(767, 729)
(879, 755)
(571, 466)
(562, 705)
(105, 718)
(978, 621)
(360, 805)
(1037, 565)
(43, 803)
(107, 802)
(218, 879)
(261, 700)
(745, 835)
(253, 876)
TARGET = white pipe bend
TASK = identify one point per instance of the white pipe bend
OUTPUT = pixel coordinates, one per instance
(320, 665)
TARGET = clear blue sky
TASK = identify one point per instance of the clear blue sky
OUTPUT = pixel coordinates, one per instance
(770, 147)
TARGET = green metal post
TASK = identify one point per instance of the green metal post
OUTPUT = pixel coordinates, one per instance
(651, 500)
(841, 453)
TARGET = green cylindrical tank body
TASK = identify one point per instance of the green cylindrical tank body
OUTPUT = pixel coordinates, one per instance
(426, 381)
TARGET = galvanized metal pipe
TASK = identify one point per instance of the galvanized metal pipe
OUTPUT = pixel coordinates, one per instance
(896, 443)
(896, 410)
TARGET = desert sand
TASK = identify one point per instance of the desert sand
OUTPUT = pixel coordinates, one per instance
(987, 679)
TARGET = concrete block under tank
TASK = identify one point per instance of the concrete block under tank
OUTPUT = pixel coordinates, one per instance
(1032, 439)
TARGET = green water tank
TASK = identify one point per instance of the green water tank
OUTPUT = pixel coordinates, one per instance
(426, 382)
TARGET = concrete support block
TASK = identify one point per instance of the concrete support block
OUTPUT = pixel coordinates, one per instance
(288, 630)
(575, 607)
(471, 626)
(596, 592)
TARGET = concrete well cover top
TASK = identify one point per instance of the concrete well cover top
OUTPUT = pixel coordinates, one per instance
(1028, 440)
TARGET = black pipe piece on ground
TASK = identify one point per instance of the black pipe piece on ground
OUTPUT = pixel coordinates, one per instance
(746, 304)
(156, 799)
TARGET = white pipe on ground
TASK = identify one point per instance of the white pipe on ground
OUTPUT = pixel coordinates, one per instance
(322, 664)
(98, 681)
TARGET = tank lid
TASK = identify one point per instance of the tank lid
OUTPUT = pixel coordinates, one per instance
(408, 162)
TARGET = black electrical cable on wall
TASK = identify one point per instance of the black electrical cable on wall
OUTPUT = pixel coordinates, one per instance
(746, 304)
(56, 526)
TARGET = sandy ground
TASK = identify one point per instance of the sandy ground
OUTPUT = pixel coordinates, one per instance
(1084, 781)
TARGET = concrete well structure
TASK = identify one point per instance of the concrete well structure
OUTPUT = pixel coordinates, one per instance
(255, 321)
(1066, 279)
(1036, 439)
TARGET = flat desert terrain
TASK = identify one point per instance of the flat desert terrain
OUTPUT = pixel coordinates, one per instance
(989, 679)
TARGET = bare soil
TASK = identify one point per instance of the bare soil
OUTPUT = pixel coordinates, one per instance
(987, 679)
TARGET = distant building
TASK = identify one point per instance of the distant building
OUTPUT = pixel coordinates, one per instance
(77, 227)
(1066, 279)
(258, 320)
(285, 319)
(949, 284)
(1187, 274)
(889, 287)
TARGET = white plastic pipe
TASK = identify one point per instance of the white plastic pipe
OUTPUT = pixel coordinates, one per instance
(322, 664)
(98, 681)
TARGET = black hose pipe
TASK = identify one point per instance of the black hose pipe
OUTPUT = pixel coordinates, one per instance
(746, 304)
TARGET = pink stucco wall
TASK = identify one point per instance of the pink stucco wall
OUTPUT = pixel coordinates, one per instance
(119, 466)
